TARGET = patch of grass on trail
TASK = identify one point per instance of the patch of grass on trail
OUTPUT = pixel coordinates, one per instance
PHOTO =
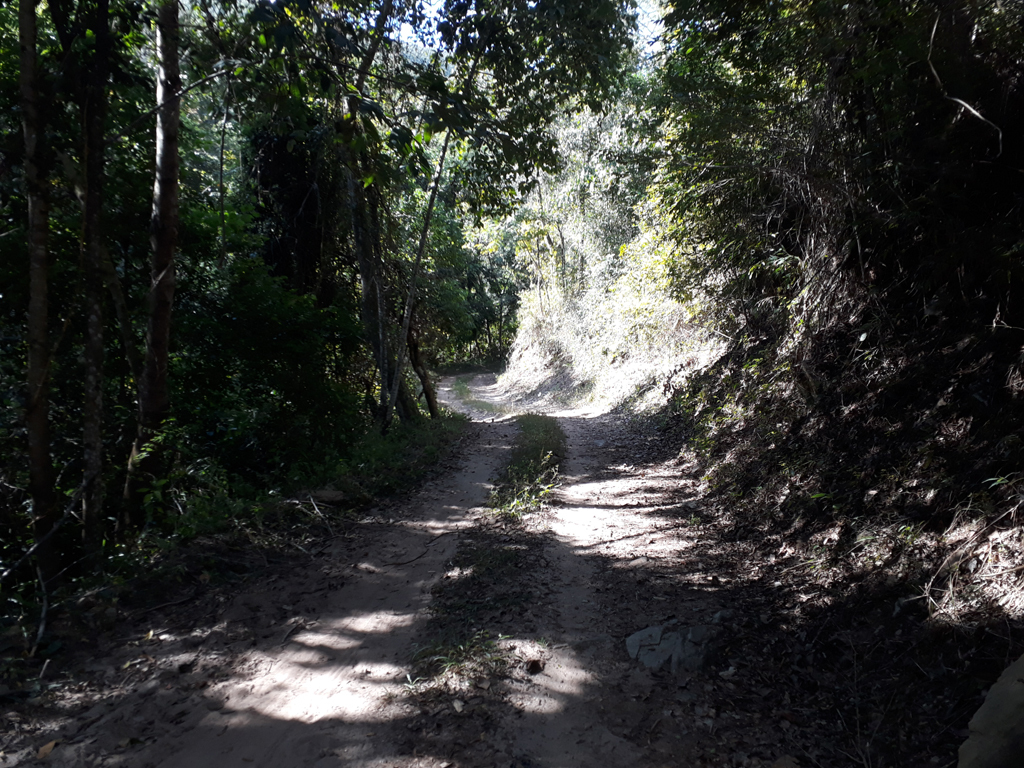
(532, 473)
(462, 391)
(461, 387)
(483, 591)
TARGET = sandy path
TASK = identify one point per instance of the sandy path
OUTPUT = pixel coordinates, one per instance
(304, 668)
(575, 707)
(317, 698)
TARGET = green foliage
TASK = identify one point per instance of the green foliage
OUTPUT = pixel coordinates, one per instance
(385, 464)
(811, 153)
(476, 655)
(302, 198)
(262, 375)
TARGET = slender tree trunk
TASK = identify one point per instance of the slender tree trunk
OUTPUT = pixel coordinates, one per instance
(94, 112)
(382, 341)
(407, 407)
(37, 417)
(154, 397)
(371, 52)
(366, 234)
(418, 365)
(124, 320)
(501, 326)
(409, 303)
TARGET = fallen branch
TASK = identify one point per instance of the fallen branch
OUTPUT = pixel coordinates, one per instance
(421, 554)
(42, 618)
(68, 511)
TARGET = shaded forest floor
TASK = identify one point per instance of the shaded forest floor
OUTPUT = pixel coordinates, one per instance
(433, 633)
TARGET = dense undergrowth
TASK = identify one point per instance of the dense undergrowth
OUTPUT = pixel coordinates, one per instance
(886, 456)
(879, 486)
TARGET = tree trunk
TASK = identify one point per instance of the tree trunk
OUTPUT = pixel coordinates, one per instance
(37, 417)
(370, 293)
(501, 325)
(154, 398)
(94, 112)
(371, 52)
(366, 234)
(406, 406)
(124, 320)
(418, 365)
(409, 303)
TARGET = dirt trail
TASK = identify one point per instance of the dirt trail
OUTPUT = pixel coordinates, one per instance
(318, 697)
(306, 668)
(593, 705)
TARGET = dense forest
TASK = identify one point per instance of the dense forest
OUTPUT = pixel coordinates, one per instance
(240, 239)
(244, 230)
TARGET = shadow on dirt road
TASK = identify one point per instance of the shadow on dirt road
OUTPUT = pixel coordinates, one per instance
(310, 665)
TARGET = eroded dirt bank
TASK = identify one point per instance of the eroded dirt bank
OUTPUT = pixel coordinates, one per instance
(313, 664)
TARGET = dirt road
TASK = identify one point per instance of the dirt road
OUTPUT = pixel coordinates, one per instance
(311, 667)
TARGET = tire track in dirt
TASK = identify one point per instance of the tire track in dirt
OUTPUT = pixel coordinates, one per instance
(617, 539)
(306, 668)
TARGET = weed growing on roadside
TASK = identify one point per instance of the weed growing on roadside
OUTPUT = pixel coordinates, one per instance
(461, 387)
(532, 473)
(472, 656)
(477, 590)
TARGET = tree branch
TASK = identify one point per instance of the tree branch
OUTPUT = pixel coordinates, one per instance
(170, 99)
(68, 511)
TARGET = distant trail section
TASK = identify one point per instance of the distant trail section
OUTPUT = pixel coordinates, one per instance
(614, 515)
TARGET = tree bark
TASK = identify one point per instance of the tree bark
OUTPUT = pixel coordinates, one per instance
(124, 320)
(370, 293)
(371, 52)
(37, 417)
(366, 231)
(407, 407)
(418, 365)
(94, 112)
(409, 303)
(154, 396)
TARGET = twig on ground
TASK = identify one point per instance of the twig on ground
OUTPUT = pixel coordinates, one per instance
(42, 617)
(960, 555)
(421, 554)
(321, 514)
(144, 611)
(291, 631)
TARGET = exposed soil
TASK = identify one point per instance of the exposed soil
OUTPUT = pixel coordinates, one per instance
(320, 661)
